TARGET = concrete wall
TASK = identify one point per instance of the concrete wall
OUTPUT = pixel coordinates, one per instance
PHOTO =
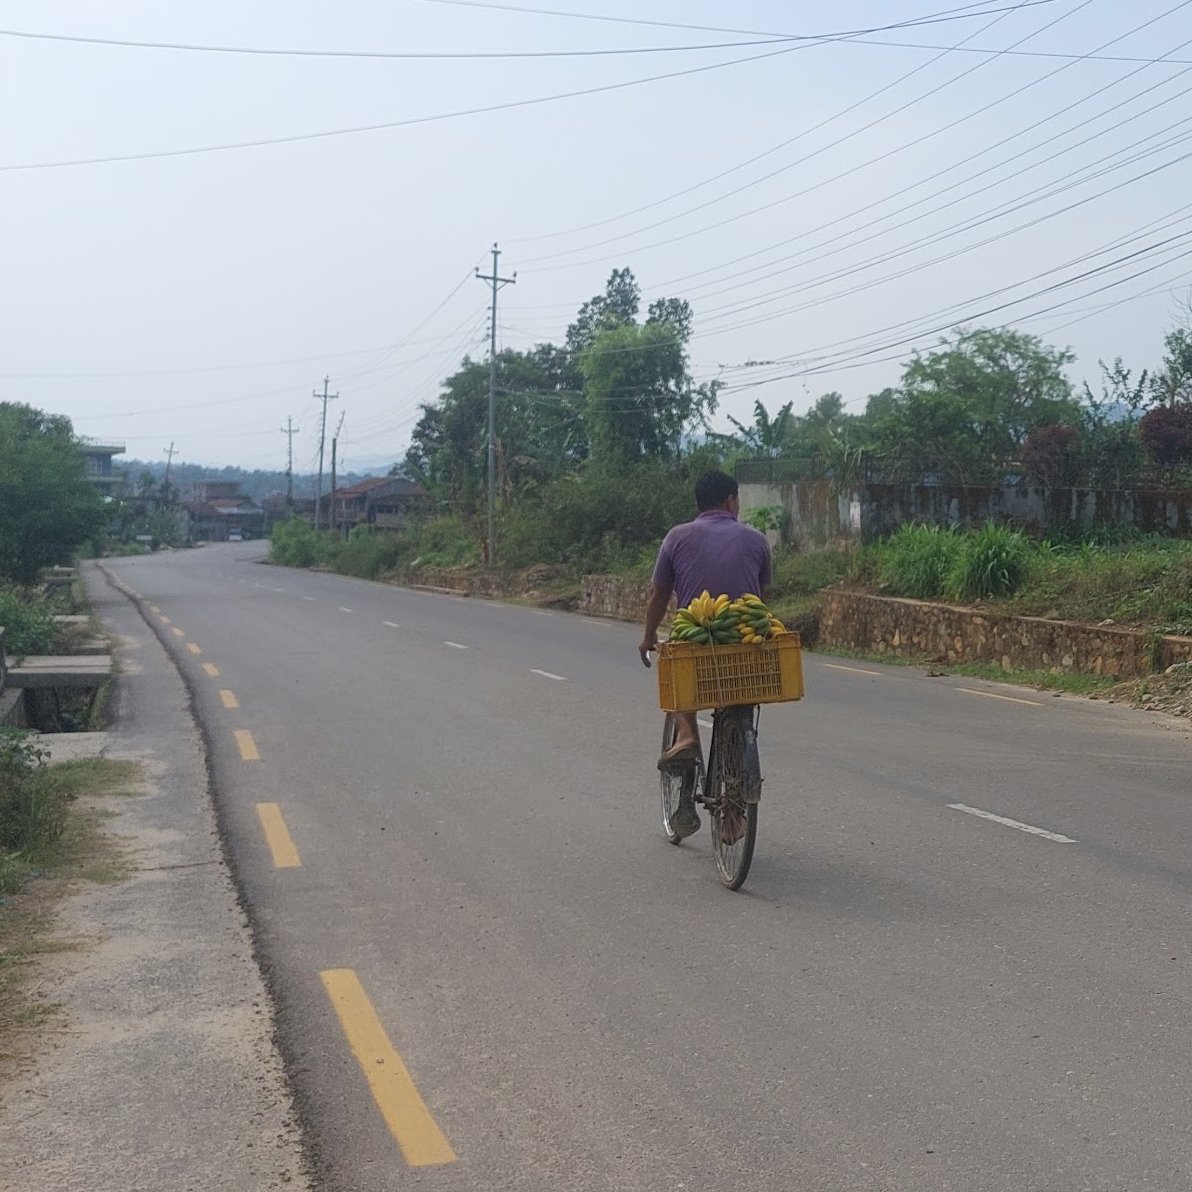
(816, 516)
(917, 629)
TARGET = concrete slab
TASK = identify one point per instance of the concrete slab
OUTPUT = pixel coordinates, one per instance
(83, 670)
(69, 747)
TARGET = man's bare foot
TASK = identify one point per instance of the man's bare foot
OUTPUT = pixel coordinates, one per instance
(679, 755)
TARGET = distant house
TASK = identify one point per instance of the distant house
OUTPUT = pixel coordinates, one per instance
(392, 504)
(97, 457)
(387, 502)
(349, 506)
(217, 511)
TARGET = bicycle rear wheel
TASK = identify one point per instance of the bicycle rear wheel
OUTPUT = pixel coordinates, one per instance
(675, 785)
(733, 817)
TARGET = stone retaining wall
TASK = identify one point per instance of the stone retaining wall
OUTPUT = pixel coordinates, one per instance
(614, 596)
(918, 629)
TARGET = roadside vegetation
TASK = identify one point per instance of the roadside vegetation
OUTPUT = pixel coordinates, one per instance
(599, 437)
(1137, 581)
(51, 835)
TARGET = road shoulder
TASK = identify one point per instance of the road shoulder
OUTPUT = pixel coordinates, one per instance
(165, 1074)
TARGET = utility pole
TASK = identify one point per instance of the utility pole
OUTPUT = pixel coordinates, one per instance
(325, 398)
(165, 484)
(334, 446)
(496, 281)
(290, 430)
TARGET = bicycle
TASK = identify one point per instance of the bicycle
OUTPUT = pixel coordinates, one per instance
(729, 789)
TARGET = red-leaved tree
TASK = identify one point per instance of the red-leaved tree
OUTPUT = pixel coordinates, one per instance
(1051, 455)
(1166, 433)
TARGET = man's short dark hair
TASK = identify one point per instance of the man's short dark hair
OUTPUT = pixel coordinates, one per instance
(712, 489)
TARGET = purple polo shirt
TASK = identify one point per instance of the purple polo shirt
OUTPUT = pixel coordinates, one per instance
(714, 552)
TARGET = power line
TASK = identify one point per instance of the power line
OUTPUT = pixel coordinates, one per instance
(860, 359)
(208, 368)
(850, 234)
(903, 273)
(852, 170)
(773, 148)
(402, 55)
(440, 116)
(391, 124)
(585, 16)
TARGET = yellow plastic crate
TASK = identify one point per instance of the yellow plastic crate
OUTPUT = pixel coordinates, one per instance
(691, 677)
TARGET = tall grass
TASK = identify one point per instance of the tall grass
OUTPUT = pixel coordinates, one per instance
(32, 809)
(992, 562)
(917, 561)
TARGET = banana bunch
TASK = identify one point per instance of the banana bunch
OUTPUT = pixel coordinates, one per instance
(719, 621)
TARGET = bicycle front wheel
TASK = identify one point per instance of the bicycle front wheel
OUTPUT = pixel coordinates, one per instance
(733, 816)
(672, 784)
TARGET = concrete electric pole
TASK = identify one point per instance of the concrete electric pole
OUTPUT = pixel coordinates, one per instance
(290, 430)
(165, 484)
(334, 449)
(324, 397)
(496, 281)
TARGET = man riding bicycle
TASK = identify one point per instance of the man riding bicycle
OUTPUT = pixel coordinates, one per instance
(717, 553)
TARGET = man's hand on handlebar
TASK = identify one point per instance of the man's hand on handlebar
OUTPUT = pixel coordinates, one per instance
(649, 645)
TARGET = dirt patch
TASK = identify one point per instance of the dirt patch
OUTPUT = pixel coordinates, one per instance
(1169, 692)
(85, 853)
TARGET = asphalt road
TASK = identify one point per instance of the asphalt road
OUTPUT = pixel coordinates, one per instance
(906, 996)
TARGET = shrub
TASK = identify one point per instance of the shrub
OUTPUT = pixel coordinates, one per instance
(600, 518)
(994, 561)
(295, 543)
(917, 560)
(28, 623)
(446, 542)
(366, 554)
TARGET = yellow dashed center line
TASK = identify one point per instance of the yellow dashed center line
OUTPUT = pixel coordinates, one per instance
(1010, 699)
(277, 836)
(164, 620)
(211, 669)
(178, 632)
(154, 609)
(229, 700)
(248, 747)
(422, 1142)
(193, 648)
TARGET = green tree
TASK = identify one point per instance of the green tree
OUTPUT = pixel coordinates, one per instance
(616, 307)
(639, 395)
(768, 437)
(48, 508)
(972, 402)
(1112, 454)
(1172, 384)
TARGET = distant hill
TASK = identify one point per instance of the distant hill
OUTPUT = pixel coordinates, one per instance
(255, 484)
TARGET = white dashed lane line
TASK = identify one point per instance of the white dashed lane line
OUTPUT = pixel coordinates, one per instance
(455, 645)
(705, 724)
(1010, 699)
(548, 675)
(344, 610)
(854, 670)
(391, 624)
(310, 598)
(1011, 823)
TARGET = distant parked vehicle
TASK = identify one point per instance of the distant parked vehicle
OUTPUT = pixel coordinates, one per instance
(235, 534)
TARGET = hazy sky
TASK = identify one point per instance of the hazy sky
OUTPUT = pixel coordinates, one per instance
(827, 204)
